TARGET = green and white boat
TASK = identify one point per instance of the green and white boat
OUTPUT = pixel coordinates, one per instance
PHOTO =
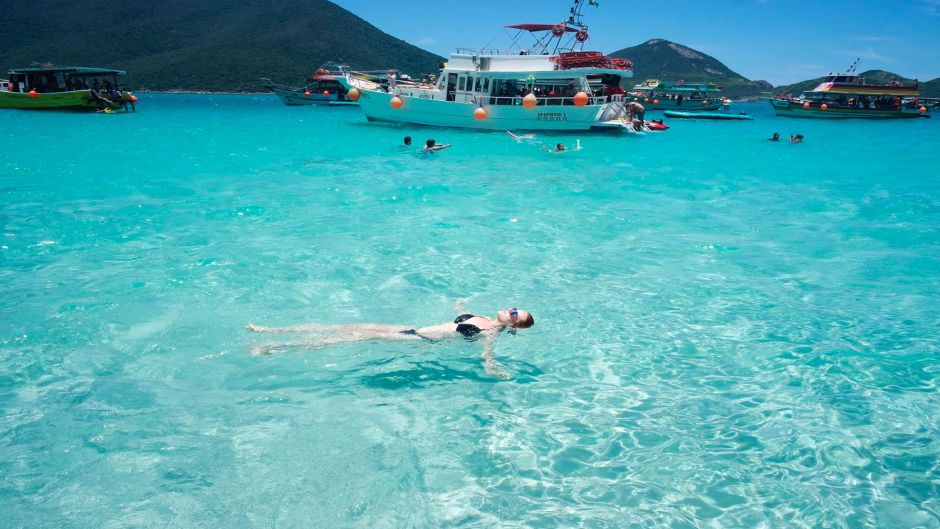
(688, 97)
(65, 88)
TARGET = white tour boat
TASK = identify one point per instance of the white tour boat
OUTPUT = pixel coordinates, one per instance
(552, 85)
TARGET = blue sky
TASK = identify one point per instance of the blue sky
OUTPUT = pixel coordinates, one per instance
(776, 40)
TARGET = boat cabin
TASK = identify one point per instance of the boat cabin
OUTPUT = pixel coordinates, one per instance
(61, 79)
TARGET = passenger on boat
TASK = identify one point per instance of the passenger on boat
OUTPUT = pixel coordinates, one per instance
(635, 111)
(468, 326)
(95, 97)
(431, 146)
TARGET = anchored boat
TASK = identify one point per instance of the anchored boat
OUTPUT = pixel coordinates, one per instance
(847, 95)
(65, 88)
(321, 89)
(553, 84)
(688, 97)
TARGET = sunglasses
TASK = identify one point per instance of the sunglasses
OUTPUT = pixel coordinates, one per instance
(513, 313)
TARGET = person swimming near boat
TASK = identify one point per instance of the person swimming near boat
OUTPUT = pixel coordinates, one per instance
(775, 137)
(796, 138)
(466, 326)
(560, 147)
(406, 143)
(431, 146)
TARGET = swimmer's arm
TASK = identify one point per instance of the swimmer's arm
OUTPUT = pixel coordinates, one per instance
(458, 306)
(491, 366)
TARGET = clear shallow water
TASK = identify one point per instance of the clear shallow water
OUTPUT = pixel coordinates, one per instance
(729, 333)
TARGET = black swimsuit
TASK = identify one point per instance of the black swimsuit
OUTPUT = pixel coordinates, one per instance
(467, 329)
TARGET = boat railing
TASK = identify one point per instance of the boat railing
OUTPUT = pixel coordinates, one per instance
(541, 101)
(488, 51)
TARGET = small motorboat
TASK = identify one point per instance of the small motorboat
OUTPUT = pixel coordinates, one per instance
(706, 115)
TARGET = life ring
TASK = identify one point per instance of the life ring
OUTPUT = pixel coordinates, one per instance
(559, 29)
(581, 36)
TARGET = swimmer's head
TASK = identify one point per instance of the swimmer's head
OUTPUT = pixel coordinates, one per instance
(429, 144)
(516, 318)
(407, 140)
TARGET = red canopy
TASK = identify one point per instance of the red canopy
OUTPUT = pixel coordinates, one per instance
(539, 27)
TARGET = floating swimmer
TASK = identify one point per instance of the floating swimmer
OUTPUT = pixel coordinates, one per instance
(467, 326)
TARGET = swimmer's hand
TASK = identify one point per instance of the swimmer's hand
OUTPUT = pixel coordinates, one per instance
(458, 306)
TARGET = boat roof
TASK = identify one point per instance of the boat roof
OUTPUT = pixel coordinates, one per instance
(541, 27)
(80, 70)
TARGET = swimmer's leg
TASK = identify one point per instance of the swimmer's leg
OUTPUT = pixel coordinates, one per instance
(398, 336)
(327, 328)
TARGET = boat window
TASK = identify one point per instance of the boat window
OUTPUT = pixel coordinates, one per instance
(469, 84)
(462, 83)
(486, 85)
(479, 87)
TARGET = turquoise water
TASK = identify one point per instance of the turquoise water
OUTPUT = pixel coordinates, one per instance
(729, 333)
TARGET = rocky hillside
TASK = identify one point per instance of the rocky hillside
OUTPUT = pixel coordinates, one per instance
(668, 61)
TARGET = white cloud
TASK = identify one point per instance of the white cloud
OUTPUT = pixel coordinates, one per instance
(425, 41)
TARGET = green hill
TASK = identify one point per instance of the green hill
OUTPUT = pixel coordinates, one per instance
(224, 45)
(930, 88)
(668, 61)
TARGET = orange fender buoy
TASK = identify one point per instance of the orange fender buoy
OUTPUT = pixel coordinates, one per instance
(806, 105)
(480, 114)
(33, 94)
(530, 101)
(656, 101)
(307, 93)
(922, 110)
(354, 94)
(580, 99)
(823, 107)
(397, 102)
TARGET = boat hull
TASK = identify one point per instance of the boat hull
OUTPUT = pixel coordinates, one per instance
(707, 115)
(686, 106)
(298, 97)
(437, 113)
(74, 100)
(794, 109)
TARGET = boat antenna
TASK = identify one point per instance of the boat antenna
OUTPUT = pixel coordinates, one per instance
(854, 65)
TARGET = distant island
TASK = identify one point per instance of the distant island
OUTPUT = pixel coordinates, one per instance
(227, 46)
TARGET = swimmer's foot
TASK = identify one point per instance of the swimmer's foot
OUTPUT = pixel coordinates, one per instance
(254, 328)
(264, 350)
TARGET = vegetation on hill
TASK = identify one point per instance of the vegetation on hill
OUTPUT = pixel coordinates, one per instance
(930, 88)
(668, 61)
(223, 45)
